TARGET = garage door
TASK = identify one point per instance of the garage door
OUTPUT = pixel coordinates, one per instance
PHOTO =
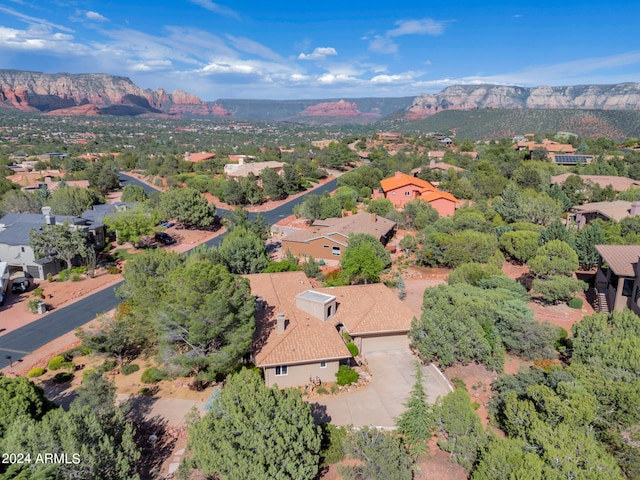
(382, 343)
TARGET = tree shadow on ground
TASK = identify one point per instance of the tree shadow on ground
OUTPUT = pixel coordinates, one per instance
(319, 413)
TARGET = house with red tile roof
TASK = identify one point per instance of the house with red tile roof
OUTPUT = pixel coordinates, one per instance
(299, 328)
(198, 157)
(330, 237)
(402, 188)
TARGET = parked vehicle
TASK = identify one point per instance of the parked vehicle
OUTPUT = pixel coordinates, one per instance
(21, 285)
(164, 238)
(4, 281)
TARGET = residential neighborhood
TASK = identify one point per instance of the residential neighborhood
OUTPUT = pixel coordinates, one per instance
(336, 284)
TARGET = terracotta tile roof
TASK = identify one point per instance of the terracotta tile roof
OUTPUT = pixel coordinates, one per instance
(438, 194)
(305, 338)
(619, 184)
(366, 309)
(198, 157)
(436, 154)
(340, 228)
(616, 210)
(401, 180)
(362, 309)
(622, 259)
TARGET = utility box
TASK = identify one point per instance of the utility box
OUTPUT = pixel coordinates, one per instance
(42, 307)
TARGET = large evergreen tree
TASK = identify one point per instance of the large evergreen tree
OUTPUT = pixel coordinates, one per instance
(255, 432)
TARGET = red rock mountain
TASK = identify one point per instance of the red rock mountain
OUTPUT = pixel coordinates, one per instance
(64, 93)
(337, 109)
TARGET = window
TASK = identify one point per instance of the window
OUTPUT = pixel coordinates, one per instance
(406, 194)
(329, 311)
(282, 370)
(335, 251)
(393, 193)
(22, 249)
(325, 246)
(627, 287)
(323, 364)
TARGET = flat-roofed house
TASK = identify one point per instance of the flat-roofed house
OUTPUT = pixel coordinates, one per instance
(243, 169)
(299, 329)
(617, 280)
(330, 237)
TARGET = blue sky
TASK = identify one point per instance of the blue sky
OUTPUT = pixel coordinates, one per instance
(325, 49)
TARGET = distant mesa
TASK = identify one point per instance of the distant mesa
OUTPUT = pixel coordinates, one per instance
(340, 108)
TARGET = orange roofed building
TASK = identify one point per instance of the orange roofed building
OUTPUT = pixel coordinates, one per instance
(402, 188)
(299, 328)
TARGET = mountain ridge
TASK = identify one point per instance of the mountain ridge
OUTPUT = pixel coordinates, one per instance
(65, 93)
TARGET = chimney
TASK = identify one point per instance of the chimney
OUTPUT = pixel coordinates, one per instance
(635, 208)
(281, 322)
(48, 179)
(48, 218)
(374, 218)
(241, 160)
(432, 161)
(398, 174)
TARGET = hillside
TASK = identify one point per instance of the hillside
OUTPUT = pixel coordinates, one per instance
(487, 124)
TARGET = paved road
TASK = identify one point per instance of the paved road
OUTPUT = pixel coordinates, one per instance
(29, 338)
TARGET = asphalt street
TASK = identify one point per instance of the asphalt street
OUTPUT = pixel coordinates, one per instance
(23, 341)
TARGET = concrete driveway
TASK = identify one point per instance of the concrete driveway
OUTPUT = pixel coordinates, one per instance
(382, 401)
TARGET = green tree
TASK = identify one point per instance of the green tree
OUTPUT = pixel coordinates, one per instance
(416, 422)
(575, 188)
(273, 184)
(205, 321)
(554, 258)
(311, 208)
(461, 432)
(188, 207)
(256, 432)
(19, 201)
(130, 224)
(331, 207)
(72, 200)
(380, 206)
(382, 456)
(508, 459)
(292, 182)
(586, 241)
(21, 398)
(520, 245)
(244, 251)
(133, 193)
(59, 240)
(558, 288)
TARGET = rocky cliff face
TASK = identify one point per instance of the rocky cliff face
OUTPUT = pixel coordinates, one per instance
(623, 96)
(63, 92)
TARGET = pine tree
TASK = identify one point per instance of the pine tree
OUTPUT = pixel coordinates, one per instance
(416, 422)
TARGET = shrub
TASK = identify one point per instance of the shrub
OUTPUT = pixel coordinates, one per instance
(321, 390)
(575, 302)
(113, 270)
(556, 288)
(129, 368)
(353, 349)
(57, 362)
(332, 447)
(32, 306)
(36, 372)
(152, 375)
(346, 375)
(88, 373)
(38, 292)
(107, 366)
(62, 377)
(49, 278)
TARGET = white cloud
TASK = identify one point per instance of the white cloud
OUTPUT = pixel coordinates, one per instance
(380, 44)
(400, 78)
(217, 67)
(330, 79)
(216, 8)
(319, 53)
(250, 46)
(95, 17)
(39, 38)
(152, 66)
(34, 20)
(425, 26)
